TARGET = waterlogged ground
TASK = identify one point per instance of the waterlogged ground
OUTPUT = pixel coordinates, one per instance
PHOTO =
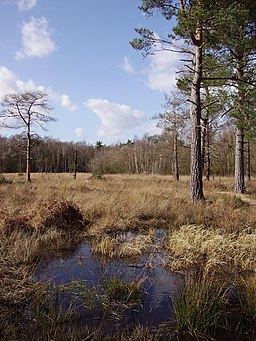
(86, 272)
(93, 287)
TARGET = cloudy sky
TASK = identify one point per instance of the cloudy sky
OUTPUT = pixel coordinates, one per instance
(79, 52)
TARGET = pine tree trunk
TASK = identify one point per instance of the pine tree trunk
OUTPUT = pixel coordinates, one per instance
(239, 161)
(196, 183)
(136, 161)
(206, 140)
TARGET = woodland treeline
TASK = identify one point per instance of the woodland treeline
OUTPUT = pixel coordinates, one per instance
(147, 155)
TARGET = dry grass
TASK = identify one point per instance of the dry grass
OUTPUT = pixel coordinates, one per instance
(55, 211)
(213, 251)
(128, 245)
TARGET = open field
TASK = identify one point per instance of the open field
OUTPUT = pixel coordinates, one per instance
(212, 243)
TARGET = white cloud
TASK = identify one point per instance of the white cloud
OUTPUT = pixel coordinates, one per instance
(66, 103)
(126, 66)
(79, 133)
(36, 39)
(115, 118)
(161, 72)
(9, 83)
(25, 5)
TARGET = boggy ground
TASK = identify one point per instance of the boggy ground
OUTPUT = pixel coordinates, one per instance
(213, 243)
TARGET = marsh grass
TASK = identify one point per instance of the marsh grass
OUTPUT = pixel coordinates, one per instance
(214, 251)
(54, 313)
(122, 245)
(4, 181)
(247, 306)
(55, 212)
(199, 308)
(110, 298)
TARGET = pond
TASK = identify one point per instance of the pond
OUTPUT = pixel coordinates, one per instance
(116, 294)
(86, 269)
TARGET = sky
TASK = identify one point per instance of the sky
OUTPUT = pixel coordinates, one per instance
(78, 51)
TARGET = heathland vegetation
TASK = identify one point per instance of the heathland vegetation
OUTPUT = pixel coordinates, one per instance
(211, 244)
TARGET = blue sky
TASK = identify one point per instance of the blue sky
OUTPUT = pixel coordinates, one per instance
(79, 51)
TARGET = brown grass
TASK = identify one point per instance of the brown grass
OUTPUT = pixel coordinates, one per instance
(55, 211)
(213, 251)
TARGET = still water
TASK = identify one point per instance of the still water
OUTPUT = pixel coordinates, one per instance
(159, 284)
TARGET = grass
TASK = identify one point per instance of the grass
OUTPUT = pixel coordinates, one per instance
(213, 250)
(247, 306)
(129, 245)
(199, 308)
(54, 213)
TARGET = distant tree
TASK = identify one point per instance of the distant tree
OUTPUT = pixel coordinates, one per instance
(99, 145)
(24, 111)
(172, 121)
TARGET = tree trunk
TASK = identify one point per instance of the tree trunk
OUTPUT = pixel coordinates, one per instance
(175, 156)
(75, 164)
(239, 161)
(203, 143)
(248, 161)
(28, 167)
(136, 160)
(196, 182)
(207, 155)
(239, 155)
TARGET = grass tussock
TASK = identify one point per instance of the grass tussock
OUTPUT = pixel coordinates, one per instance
(247, 306)
(31, 229)
(214, 251)
(125, 245)
(199, 309)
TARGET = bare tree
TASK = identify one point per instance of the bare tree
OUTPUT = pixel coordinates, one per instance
(24, 111)
(172, 121)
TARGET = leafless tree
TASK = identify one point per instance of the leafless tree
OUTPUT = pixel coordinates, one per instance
(24, 111)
